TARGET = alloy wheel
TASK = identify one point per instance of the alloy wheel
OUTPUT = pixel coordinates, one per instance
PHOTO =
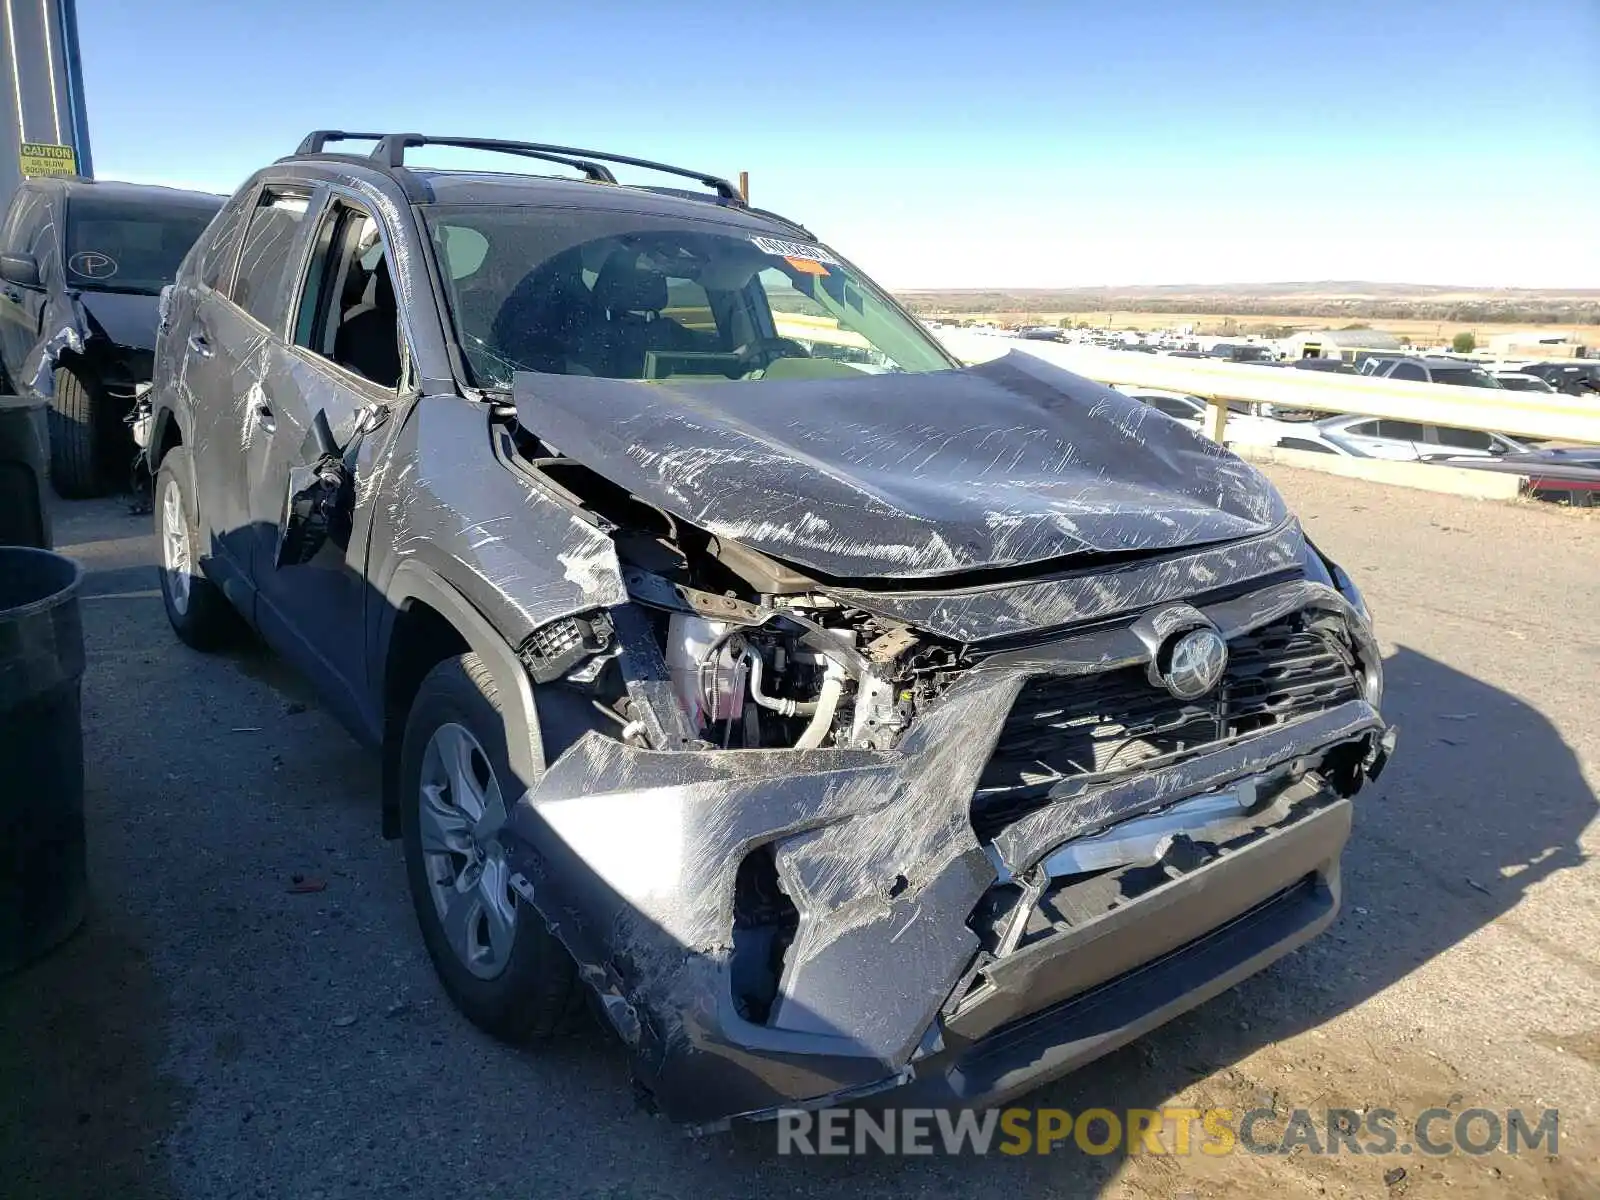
(175, 553)
(460, 811)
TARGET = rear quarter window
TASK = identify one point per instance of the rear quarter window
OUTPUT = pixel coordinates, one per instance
(219, 245)
(261, 284)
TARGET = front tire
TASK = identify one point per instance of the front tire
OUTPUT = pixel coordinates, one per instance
(196, 608)
(498, 961)
(82, 434)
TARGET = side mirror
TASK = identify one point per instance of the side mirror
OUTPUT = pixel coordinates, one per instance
(20, 269)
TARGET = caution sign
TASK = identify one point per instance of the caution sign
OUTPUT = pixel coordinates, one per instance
(42, 158)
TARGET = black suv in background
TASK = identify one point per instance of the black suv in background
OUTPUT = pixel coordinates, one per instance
(736, 654)
(82, 265)
(1575, 377)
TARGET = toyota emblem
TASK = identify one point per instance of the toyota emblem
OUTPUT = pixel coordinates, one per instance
(1194, 663)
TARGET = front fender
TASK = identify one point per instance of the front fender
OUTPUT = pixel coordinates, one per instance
(414, 580)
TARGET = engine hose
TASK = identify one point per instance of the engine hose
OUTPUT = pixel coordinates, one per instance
(826, 705)
(784, 708)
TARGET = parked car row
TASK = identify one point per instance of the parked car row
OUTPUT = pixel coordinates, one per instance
(1568, 475)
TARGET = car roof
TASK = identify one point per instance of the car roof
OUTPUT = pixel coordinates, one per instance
(514, 189)
(112, 189)
(540, 191)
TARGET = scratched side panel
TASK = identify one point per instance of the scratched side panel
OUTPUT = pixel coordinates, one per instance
(516, 552)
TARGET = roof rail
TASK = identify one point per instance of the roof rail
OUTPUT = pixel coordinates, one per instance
(391, 152)
(314, 141)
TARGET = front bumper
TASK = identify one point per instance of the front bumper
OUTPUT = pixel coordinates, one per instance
(632, 857)
(1102, 986)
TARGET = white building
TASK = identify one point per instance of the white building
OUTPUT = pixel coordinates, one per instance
(1533, 343)
(1337, 343)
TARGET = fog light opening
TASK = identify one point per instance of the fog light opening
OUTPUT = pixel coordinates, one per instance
(764, 924)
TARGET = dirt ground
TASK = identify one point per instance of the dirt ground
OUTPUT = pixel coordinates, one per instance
(217, 1031)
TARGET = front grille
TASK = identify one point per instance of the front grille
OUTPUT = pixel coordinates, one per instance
(1065, 727)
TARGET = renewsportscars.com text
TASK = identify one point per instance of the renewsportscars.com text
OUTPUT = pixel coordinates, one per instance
(1172, 1131)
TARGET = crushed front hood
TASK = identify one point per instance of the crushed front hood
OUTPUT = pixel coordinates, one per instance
(1000, 465)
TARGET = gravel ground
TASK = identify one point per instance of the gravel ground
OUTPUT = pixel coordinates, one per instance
(217, 1030)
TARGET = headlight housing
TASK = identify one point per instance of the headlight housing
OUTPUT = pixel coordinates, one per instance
(1320, 567)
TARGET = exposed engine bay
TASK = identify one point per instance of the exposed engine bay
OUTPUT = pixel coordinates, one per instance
(758, 655)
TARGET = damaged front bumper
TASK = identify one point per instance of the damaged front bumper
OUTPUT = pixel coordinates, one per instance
(777, 928)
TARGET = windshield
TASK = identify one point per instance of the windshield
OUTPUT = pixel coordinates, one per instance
(115, 246)
(634, 296)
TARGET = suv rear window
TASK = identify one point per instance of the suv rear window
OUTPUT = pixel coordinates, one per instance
(635, 296)
(262, 283)
(1465, 377)
(114, 245)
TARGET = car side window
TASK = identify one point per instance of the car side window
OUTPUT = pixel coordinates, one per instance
(1294, 443)
(261, 285)
(221, 244)
(43, 240)
(1464, 439)
(348, 313)
(1173, 408)
(1363, 429)
(1405, 370)
(1405, 431)
(23, 221)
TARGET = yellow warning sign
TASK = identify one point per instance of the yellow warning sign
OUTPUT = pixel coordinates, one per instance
(42, 158)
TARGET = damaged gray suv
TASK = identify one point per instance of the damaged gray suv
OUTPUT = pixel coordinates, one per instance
(843, 721)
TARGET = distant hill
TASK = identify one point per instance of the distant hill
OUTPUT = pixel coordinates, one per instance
(1333, 299)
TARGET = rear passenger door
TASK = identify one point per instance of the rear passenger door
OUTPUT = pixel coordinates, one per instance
(229, 348)
(345, 358)
(191, 380)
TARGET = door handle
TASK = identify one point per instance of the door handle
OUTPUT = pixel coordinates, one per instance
(200, 346)
(262, 412)
(13, 295)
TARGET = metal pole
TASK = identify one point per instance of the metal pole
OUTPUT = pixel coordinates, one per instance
(77, 107)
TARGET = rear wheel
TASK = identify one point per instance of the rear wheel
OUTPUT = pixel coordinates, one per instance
(198, 611)
(496, 958)
(83, 434)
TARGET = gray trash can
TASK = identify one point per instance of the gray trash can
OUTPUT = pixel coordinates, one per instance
(24, 461)
(43, 876)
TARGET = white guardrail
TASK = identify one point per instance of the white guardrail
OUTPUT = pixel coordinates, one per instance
(1554, 417)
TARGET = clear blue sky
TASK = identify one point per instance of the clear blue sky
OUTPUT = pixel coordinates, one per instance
(950, 143)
